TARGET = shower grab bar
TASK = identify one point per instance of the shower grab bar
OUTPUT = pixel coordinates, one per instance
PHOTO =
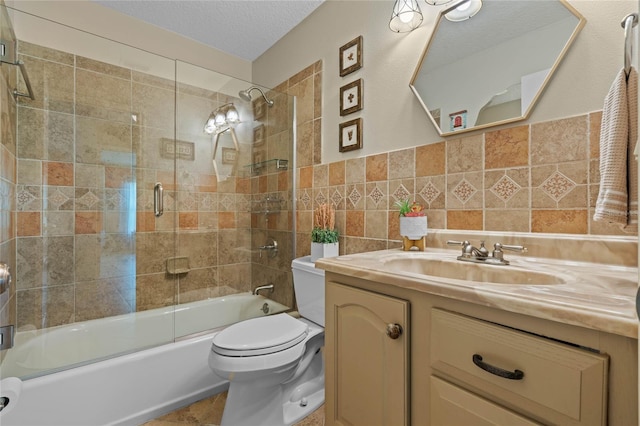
(158, 202)
(629, 21)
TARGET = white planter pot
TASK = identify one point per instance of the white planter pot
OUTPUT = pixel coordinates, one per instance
(414, 228)
(319, 250)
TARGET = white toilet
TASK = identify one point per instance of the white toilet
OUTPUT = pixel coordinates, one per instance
(274, 363)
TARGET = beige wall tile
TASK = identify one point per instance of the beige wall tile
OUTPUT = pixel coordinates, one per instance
(507, 148)
(376, 224)
(402, 163)
(377, 196)
(355, 170)
(559, 221)
(337, 173)
(465, 154)
(507, 220)
(59, 174)
(28, 224)
(595, 119)
(355, 223)
(559, 141)
(465, 219)
(507, 188)
(376, 167)
(431, 159)
(431, 191)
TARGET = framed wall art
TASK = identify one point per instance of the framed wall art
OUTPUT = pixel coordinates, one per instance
(258, 135)
(350, 135)
(259, 109)
(351, 56)
(229, 155)
(351, 97)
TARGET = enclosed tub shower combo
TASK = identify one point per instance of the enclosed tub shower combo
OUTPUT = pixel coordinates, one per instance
(135, 225)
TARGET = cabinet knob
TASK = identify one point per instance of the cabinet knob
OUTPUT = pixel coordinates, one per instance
(394, 330)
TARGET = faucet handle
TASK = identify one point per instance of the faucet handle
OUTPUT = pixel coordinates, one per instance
(458, 243)
(521, 249)
(499, 254)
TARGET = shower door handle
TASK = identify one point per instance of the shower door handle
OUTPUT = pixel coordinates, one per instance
(158, 203)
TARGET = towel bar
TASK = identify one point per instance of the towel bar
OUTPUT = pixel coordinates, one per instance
(629, 21)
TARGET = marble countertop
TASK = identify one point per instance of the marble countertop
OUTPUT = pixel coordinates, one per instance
(586, 294)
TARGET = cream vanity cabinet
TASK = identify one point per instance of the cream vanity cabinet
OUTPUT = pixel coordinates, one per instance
(460, 363)
(366, 357)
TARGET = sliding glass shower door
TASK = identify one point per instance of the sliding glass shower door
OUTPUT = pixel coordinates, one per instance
(85, 243)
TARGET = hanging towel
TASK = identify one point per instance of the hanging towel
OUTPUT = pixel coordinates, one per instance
(618, 197)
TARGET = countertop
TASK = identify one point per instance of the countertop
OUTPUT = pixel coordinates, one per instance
(592, 295)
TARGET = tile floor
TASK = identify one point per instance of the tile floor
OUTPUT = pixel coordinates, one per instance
(208, 412)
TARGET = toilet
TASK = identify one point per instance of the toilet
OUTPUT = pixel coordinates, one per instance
(274, 363)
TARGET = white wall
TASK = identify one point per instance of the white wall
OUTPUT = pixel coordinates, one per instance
(105, 22)
(392, 116)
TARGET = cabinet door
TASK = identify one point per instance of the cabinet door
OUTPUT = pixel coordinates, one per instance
(453, 406)
(366, 368)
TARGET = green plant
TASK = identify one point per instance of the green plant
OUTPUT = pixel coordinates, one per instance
(324, 236)
(409, 209)
(324, 219)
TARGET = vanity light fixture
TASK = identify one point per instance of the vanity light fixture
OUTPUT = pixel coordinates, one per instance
(222, 119)
(463, 10)
(406, 16)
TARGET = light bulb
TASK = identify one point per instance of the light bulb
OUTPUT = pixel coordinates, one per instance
(232, 115)
(210, 126)
(220, 119)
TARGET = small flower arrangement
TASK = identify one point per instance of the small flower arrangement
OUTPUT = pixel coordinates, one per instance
(324, 220)
(409, 210)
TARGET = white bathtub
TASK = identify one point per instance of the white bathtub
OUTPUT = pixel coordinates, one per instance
(122, 390)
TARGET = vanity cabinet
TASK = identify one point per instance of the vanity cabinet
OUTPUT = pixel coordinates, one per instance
(366, 357)
(571, 375)
(540, 378)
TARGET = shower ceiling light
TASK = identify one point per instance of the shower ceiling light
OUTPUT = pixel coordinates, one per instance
(463, 10)
(406, 16)
(222, 119)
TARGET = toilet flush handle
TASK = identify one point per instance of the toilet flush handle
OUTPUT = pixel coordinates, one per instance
(394, 331)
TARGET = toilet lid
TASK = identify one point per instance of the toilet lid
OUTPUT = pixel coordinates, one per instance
(260, 336)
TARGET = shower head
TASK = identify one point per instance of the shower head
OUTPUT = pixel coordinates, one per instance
(246, 95)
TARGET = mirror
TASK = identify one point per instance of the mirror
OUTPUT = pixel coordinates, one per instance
(225, 154)
(491, 69)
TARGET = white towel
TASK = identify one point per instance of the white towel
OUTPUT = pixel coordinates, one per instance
(618, 197)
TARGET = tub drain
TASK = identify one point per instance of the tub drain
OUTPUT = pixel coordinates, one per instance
(4, 401)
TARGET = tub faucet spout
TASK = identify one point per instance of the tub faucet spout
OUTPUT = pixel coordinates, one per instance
(257, 290)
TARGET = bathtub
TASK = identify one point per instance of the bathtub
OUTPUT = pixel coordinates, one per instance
(122, 388)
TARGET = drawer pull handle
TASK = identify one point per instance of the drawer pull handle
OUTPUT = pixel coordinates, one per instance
(394, 331)
(511, 375)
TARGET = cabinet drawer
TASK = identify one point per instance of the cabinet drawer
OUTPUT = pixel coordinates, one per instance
(559, 383)
(454, 406)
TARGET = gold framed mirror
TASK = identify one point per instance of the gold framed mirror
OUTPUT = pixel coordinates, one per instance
(492, 68)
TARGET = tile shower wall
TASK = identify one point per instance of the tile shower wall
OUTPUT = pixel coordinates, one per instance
(532, 178)
(90, 150)
(7, 179)
(272, 184)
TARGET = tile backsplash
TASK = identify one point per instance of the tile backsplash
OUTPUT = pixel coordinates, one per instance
(538, 178)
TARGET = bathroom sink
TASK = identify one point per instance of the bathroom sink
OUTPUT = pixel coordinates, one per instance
(467, 271)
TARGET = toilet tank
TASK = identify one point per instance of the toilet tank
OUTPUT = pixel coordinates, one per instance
(308, 284)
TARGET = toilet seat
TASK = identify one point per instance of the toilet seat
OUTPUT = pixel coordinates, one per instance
(260, 336)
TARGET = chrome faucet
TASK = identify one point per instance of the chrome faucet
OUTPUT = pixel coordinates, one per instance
(258, 289)
(481, 254)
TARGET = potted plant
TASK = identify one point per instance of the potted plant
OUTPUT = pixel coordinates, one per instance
(413, 224)
(324, 236)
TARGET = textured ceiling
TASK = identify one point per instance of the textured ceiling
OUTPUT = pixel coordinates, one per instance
(243, 28)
